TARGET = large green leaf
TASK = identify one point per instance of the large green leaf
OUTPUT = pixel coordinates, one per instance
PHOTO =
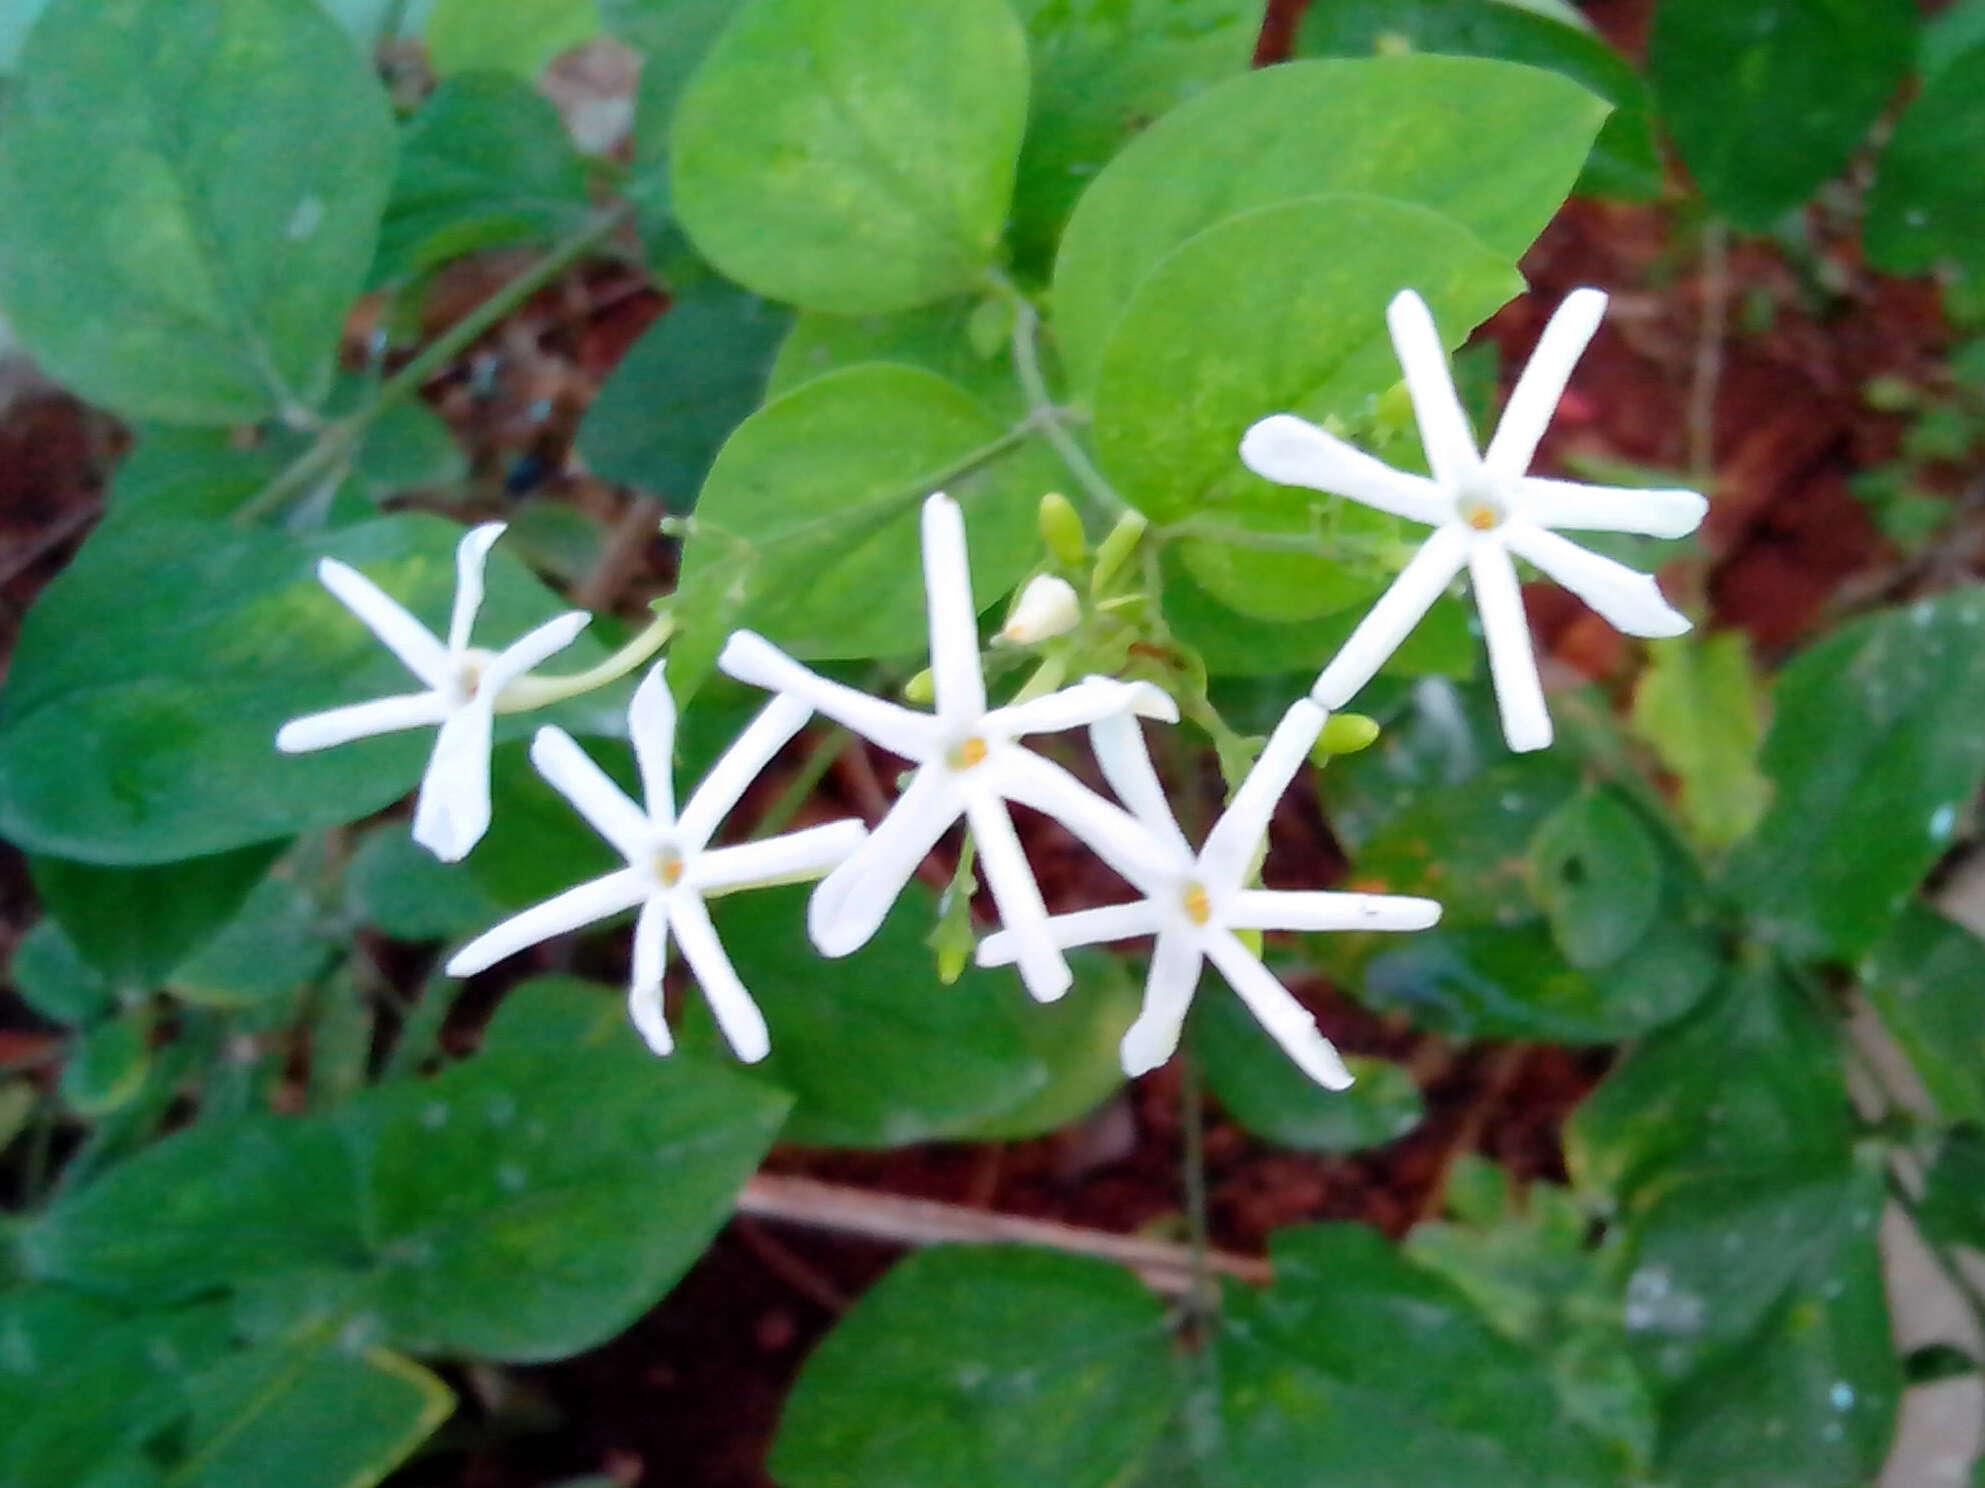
(400, 888)
(1767, 100)
(518, 36)
(239, 153)
(139, 721)
(1922, 208)
(1697, 704)
(853, 155)
(275, 944)
(1926, 980)
(1277, 309)
(1874, 751)
(982, 1367)
(937, 338)
(54, 979)
(1492, 145)
(1596, 873)
(672, 36)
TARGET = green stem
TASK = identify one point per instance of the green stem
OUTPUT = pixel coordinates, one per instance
(535, 691)
(339, 441)
(781, 812)
(1051, 418)
(1049, 675)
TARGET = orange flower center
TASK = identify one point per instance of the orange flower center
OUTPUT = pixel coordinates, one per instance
(1198, 907)
(971, 752)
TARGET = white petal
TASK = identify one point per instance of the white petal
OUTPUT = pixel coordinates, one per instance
(651, 962)
(852, 901)
(1444, 431)
(1087, 701)
(1535, 397)
(749, 753)
(1629, 600)
(388, 715)
(1392, 619)
(1285, 1019)
(1168, 989)
(384, 616)
(749, 657)
(1126, 762)
(1130, 848)
(954, 622)
(1047, 607)
(452, 811)
(1084, 927)
(651, 729)
(1512, 661)
(531, 649)
(1581, 508)
(1011, 878)
(1267, 909)
(1230, 846)
(598, 899)
(791, 857)
(1296, 452)
(574, 775)
(743, 1024)
(471, 557)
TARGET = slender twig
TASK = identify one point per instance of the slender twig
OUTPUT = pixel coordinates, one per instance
(541, 690)
(1051, 418)
(621, 554)
(1710, 333)
(1204, 1297)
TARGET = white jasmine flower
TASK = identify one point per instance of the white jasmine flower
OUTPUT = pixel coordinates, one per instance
(1194, 902)
(1483, 508)
(1047, 607)
(465, 687)
(671, 867)
(969, 761)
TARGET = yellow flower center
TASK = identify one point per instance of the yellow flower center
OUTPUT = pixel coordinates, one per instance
(1483, 516)
(668, 866)
(1198, 907)
(971, 752)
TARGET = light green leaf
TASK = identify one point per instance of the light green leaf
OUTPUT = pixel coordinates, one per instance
(1596, 873)
(240, 156)
(1491, 145)
(518, 36)
(1926, 981)
(982, 1367)
(853, 155)
(184, 475)
(52, 977)
(936, 338)
(1924, 205)
(1697, 704)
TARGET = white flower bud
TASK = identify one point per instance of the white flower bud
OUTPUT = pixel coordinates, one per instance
(1047, 607)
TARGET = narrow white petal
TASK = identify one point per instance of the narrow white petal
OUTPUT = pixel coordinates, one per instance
(452, 811)
(1534, 399)
(1512, 661)
(1268, 909)
(651, 962)
(651, 729)
(749, 753)
(1011, 878)
(1285, 1019)
(1132, 849)
(749, 657)
(1295, 452)
(588, 903)
(1168, 989)
(1444, 431)
(1629, 600)
(852, 901)
(737, 1015)
(1230, 846)
(1084, 927)
(531, 649)
(791, 857)
(573, 774)
(954, 621)
(1392, 619)
(1126, 762)
(1083, 703)
(387, 619)
(387, 715)
(1574, 507)
(471, 557)
(1047, 607)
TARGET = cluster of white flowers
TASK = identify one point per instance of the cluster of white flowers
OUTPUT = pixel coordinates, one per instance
(970, 762)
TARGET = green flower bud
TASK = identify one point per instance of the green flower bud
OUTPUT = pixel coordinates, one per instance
(921, 688)
(1061, 529)
(1344, 733)
(1116, 550)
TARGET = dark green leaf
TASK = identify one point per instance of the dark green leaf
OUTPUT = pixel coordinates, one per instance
(52, 977)
(537, 844)
(108, 1065)
(1952, 1211)
(1076, 1040)
(185, 475)
(1596, 873)
(672, 36)
(1921, 208)
(399, 888)
(1948, 35)
(266, 952)
(1926, 981)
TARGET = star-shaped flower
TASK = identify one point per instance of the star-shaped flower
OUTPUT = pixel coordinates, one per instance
(1483, 507)
(969, 761)
(465, 687)
(671, 867)
(1194, 902)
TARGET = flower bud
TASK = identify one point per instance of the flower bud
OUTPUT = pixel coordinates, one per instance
(1061, 529)
(1344, 733)
(921, 688)
(1047, 607)
(1116, 550)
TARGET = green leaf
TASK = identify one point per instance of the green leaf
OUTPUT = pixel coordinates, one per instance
(265, 953)
(537, 845)
(109, 1064)
(936, 338)
(1926, 981)
(1491, 145)
(1948, 35)
(1076, 1040)
(139, 721)
(403, 891)
(853, 155)
(1819, 70)
(1697, 704)
(1873, 753)
(1952, 1210)
(673, 36)
(52, 977)
(1919, 210)
(1624, 162)
(241, 155)
(813, 504)
(136, 924)
(983, 1367)
(1257, 1086)
(184, 475)
(690, 380)
(518, 36)
(17, 19)
(486, 163)
(1596, 873)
